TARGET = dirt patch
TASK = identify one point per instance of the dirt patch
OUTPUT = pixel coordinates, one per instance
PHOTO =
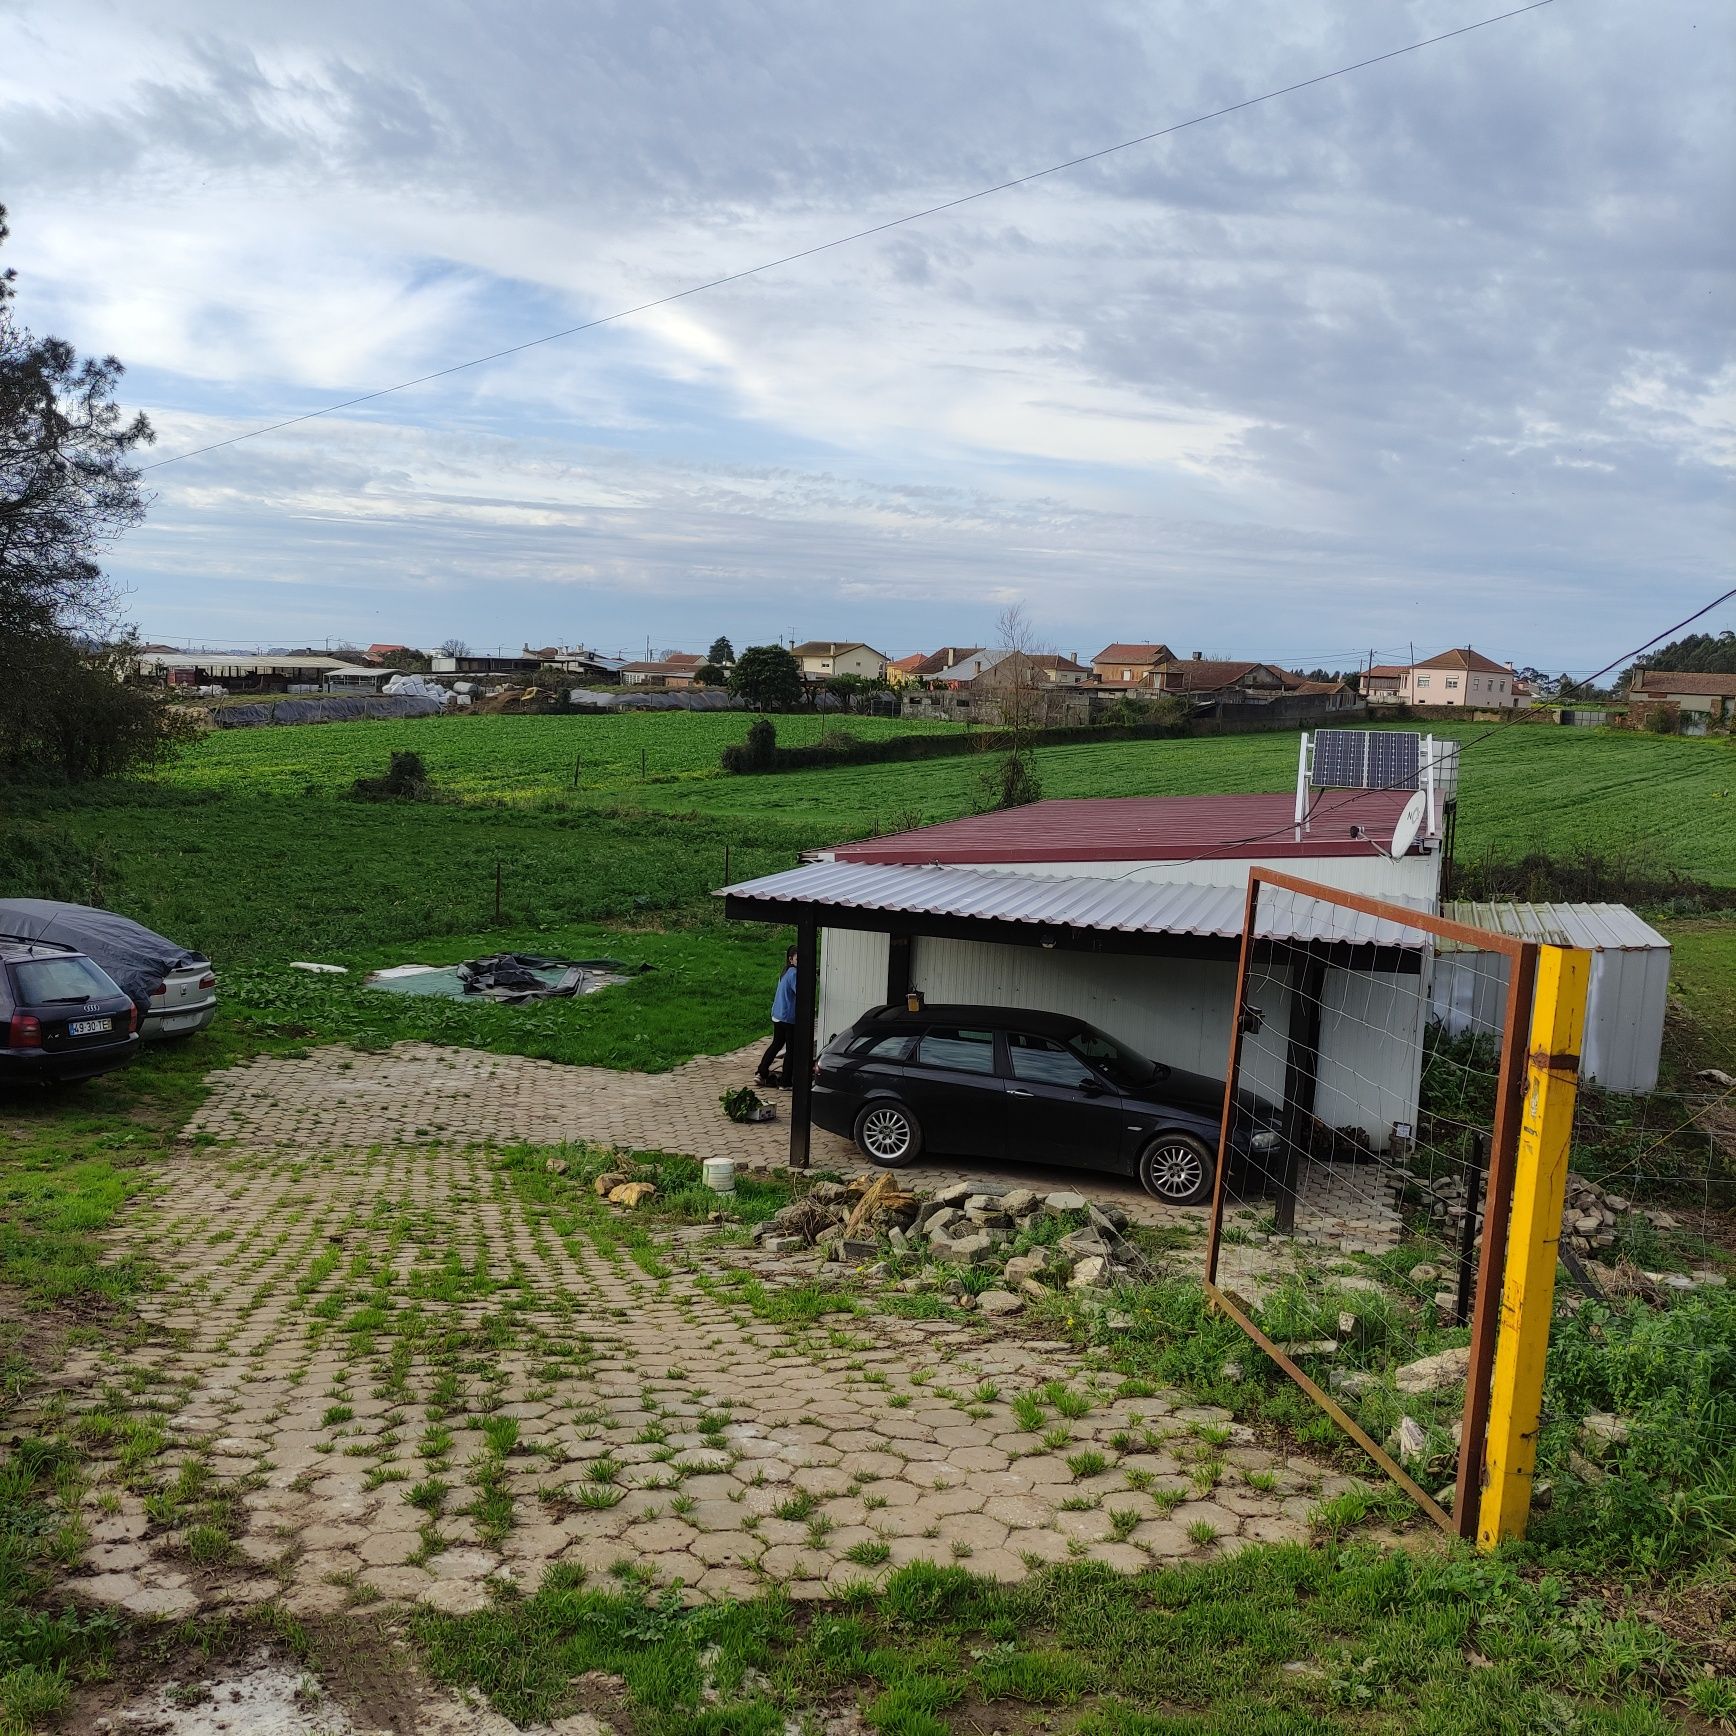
(351, 1679)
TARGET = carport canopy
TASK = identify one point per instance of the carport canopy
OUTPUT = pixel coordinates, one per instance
(1174, 919)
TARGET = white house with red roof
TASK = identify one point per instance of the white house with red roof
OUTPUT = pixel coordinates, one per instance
(1461, 677)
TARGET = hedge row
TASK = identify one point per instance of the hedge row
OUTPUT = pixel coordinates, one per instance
(760, 752)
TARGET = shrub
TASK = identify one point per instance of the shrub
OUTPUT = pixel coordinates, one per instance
(758, 753)
(406, 780)
(1010, 781)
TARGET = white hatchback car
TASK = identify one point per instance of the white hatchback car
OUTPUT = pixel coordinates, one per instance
(175, 990)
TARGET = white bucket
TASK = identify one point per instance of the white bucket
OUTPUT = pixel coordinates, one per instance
(720, 1174)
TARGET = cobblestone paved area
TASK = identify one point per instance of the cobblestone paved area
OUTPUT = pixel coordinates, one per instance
(411, 1368)
(417, 1092)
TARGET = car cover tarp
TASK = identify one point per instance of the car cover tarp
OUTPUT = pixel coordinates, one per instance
(510, 977)
(135, 957)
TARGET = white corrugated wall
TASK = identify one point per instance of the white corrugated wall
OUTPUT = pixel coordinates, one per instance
(1174, 1010)
(1624, 1016)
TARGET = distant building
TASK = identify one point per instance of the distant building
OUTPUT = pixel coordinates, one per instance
(1230, 681)
(446, 663)
(675, 670)
(1126, 664)
(1699, 700)
(1460, 677)
(999, 668)
(1200, 677)
(825, 659)
(903, 671)
(378, 652)
(938, 665)
(588, 665)
(269, 674)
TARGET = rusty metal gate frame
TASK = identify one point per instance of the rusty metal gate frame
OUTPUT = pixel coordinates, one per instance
(1498, 1196)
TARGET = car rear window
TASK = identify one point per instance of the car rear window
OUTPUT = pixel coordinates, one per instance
(963, 1051)
(881, 1048)
(41, 981)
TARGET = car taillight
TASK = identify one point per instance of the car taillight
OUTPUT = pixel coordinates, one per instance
(208, 980)
(158, 989)
(24, 1032)
(132, 1020)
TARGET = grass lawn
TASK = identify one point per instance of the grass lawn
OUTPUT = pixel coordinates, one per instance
(1278, 1641)
(509, 758)
(1703, 978)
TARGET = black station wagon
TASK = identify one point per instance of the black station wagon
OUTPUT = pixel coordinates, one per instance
(1029, 1087)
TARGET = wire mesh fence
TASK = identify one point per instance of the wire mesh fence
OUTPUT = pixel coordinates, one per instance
(1388, 1118)
(1402, 1064)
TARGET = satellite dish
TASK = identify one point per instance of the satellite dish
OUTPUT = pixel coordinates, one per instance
(1410, 822)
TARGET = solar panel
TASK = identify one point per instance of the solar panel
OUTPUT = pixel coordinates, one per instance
(1365, 759)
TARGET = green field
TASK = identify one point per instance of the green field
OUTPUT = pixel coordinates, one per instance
(514, 759)
(250, 846)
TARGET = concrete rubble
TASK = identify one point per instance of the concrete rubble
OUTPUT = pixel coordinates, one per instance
(1076, 1245)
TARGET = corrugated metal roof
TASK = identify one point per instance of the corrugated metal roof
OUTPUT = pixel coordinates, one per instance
(1599, 927)
(1150, 829)
(1115, 906)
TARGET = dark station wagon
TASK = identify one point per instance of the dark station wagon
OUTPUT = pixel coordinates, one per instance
(997, 1082)
(63, 1018)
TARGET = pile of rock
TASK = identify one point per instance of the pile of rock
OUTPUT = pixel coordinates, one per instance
(969, 1224)
(1591, 1218)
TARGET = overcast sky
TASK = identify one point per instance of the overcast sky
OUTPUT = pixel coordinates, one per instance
(1438, 351)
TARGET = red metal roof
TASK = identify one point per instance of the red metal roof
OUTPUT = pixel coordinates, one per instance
(1149, 829)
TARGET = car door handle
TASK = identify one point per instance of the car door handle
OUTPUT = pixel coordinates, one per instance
(1014, 1091)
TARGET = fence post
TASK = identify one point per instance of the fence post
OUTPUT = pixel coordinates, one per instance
(1533, 1239)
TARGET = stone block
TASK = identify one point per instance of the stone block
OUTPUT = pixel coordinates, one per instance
(1434, 1373)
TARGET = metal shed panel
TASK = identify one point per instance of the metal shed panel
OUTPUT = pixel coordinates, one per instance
(1630, 980)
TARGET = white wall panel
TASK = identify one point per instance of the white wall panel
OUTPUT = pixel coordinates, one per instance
(852, 979)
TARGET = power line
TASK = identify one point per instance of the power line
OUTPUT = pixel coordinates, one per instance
(857, 235)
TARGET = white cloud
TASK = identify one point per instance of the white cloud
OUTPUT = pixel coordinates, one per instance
(1423, 350)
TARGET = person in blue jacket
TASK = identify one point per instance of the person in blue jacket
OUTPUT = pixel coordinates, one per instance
(783, 1018)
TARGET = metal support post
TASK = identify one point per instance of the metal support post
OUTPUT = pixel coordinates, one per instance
(898, 962)
(800, 1058)
(1301, 1080)
(1533, 1237)
(1476, 1147)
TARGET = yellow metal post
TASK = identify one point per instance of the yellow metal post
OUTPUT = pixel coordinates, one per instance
(1533, 1238)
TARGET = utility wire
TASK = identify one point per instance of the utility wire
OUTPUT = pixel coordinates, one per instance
(855, 235)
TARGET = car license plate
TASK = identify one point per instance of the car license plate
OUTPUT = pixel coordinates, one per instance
(90, 1027)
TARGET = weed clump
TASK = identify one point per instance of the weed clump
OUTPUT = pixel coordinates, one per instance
(406, 780)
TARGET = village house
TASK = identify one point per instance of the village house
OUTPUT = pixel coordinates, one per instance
(1461, 677)
(1125, 665)
(902, 671)
(1004, 668)
(938, 665)
(675, 670)
(1699, 700)
(826, 659)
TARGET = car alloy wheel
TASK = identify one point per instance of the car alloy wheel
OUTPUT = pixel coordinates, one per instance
(1177, 1169)
(886, 1134)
